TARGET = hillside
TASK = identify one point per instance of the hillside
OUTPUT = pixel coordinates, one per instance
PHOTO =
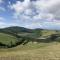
(5, 38)
(19, 43)
(21, 31)
(25, 31)
(15, 29)
(14, 36)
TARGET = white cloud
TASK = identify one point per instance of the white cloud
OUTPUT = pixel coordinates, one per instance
(2, 9)
(2, 22)
(36, 12)
(49, 6)
(38, 8)
(2, 19)
(19, 7)
(2, 25)
(1, 1)
(46, 3)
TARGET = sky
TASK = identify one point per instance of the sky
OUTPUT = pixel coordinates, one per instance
(31, 14)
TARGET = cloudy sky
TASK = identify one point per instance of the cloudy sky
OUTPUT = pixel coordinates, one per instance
(30, 13)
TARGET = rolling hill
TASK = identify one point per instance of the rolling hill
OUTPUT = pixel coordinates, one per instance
(15, 29)
(20, 43)
(14, 36)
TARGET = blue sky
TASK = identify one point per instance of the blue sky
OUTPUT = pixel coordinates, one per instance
(30, 13)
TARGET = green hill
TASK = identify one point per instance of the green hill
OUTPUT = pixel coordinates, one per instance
(14, 36)
(25, 31)
(15, 29)
(7, 40)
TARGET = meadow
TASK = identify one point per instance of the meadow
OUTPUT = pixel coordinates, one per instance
(42, 51)
(11, 47)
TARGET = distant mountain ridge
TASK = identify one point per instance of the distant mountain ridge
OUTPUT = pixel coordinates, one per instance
(15, 29)
(19, 30)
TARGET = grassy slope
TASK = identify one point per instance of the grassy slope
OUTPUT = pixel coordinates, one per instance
(42, 51)
(6, 39)
(32, 52)
(48, 32)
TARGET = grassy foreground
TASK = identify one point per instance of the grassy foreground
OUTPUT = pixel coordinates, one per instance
(42, 51)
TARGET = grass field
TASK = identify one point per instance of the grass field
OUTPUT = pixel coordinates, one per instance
(42, 51)
(30, 51)
(6, 39)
